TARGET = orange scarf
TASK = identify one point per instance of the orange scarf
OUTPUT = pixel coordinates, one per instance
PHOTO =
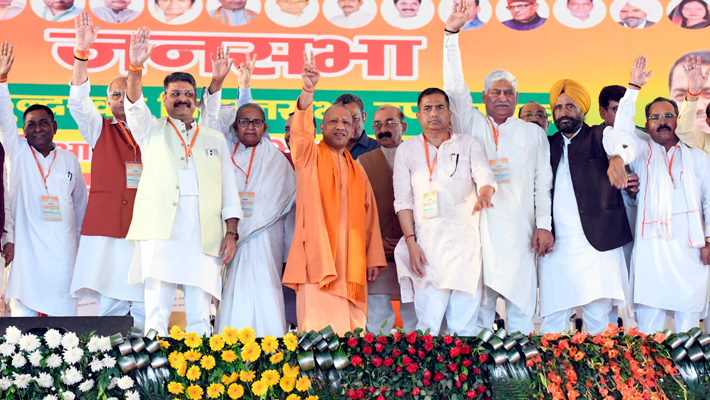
(330, 200)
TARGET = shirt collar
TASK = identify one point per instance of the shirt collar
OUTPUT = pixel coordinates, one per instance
(568, 140)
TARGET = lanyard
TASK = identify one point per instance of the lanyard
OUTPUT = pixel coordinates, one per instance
(188, 150)
(496, 133)
(251, 160)
(39, 166)
(122, 128)
(426, 151)
(670, 164)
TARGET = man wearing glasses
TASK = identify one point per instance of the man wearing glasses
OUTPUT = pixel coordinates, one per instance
(519, 154)
(534, 112)
(186, 193)
(525, 16)
(672, 249)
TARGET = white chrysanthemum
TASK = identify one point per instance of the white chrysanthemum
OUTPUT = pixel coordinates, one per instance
(93, 345)
(18, 360)
(109, 361)
(12, 335)
(70, 340)
(125, 382)
(113, 383)
(112, 398)
(133, 395)
(29, 342)
(22, 380)
(96, 365)
(71, 376)
(86, 385)
(50, 397)
(5, 383)
(7, 349)
(44, 380)
(105, 344)
(73, 355)
(54, 361)
(35, 358)
(68, 395)
(53, 338)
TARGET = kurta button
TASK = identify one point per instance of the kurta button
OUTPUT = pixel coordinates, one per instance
(182, 158)
(174, 204)
(130, 147)
(177, 187)
(125, 202)
(182, 144)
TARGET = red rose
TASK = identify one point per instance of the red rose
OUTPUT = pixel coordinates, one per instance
(453, 366)
(376, 361)
(476, 371)
(380, 397)
(428, 347)
(483, 358)
(352, 342)
(438, 376)
(427, 339)
(471, 394)
(416, 391)
(367, 350)
(448, 339)
(352, 394)
(455, 352)
(388, 362)
(480, 389)
(420, 354)
(369, 338)
(382, 340)
(406, 361)
(466, 363)
(399, 369)
(397, 336)
(380, 348)
(465, 349)
(459, 384)
(440, 359)
(398, 393)
(463, 378)
(412, 337)
(383, 389)
(426, 382)
(412, 368)
(356, 361)
(458, 343)
(372, 389)
(427, 374)
(396, 353)
(411, 350)
(360, 393)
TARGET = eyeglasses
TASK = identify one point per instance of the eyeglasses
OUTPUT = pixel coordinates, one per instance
(190, 94)
(656, 117)
(519, 7)
(117, 94)
(244, 122)
(536, 115)
(389, 123)
(613, 109)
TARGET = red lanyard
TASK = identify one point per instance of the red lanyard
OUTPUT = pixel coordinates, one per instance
(188, 150)
(251, 160)
(426, 151)
(39, 166)
(496, 134)
(130, 138)
(670, 164)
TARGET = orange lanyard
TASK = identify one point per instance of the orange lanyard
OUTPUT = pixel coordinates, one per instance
(426, 151)
(251, 160)
(130, 139)
(39, 166)
(188, 150)
(670, 164)
(496, 133)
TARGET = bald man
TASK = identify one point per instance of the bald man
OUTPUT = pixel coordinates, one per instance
(587, 268)
(534, 112)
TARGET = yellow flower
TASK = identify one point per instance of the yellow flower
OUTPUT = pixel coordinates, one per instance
(230, 335)
(312, 398)
(303, 384)
(229, 379)
(208, 362)
(229, 356)
(290, 371)
(164, 344)
(259, 388)
(247, 335)
(293, 397)
(247, 376)
(183, 369)
(192, 355)
(270, 377)
(176, 333)
(251, 352)
(287, 384)
(291, 341)
(194, 373)
(276, 358)
(235, 391)
(216, 343)
(193, 340)
(194, 392)
(269, 344)
(176, 359)
(215, 390)
(176, 388)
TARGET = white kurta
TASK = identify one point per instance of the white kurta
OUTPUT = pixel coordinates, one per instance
(102, 262)
(45, 251)
(521, 205)
(451, 241)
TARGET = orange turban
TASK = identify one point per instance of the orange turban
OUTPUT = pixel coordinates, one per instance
(574, 90)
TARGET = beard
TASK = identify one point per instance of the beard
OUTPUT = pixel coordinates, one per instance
(568, 124)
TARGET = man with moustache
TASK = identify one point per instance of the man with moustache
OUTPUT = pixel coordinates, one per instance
(116, 11)
(525, 16)
(340, 248)
(407, 8)
(672, 249)
(187, 190)
(587, 268)
(10, 9)
(48, 200)
(694, 118)
(534, 112)
(360, 143)
(518, 153)
(352, 16)
(389, 126)
(233, 13)
(634, 13)
(59, 10)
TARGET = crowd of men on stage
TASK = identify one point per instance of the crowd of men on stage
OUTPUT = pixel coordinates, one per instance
(477, 208)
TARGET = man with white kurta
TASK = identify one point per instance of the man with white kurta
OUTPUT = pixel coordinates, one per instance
(48, 197)
(187, 189)
(101, 270)
(441, 182)
(587, 268)
(519, 154)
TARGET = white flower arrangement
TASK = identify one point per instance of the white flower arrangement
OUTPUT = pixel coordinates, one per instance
(35, 358)
(70, 340)
(54, 361)
(73, 355)
(132, 395)
(12, 335)
(29, 343)
(86, 385)
(125, 382)
(44, 380)
(53, 338)
(18, 361)
(22, 381)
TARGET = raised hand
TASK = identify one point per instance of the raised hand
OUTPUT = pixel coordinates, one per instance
(458, 16)
(244, 71)
(221, 64)
(85, 31)
(140, 46)
(6, 59)
(638, 72)
(693, 68)
(310, 73)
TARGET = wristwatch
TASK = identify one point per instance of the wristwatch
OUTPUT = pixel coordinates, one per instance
(232, 234)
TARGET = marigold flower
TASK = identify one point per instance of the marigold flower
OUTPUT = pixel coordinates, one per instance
(291, 341)
(176, 388)
(194, 392)
(229, 379)
(659, 337)
(270, 377)
(580, 355)
(287, 384)
(303, 384)
(177, 333)
(293, 397)
(276, 358)
(208, 362)
(176, 359)
(183, 369)
(251, 352)
(164, 344)
(247, 376)
(312, 398)
(194, 373)
(235, 391)
(259, 388)
(216, 343)
(193, 340)
(192, 355)
(229, 356)
(291, 371)
(215, 390)
(230, 335)
(269, 344)
(247, 335)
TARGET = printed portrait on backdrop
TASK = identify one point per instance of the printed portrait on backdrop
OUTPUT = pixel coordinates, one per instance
(522, 15)
(579, 13)
(233, 12)
(678, 86)
(636, 14)
(689, 14)
(175, 12)
(57, 10)
(292, 13)
(407, 14)
(481, 12)
(10, 8)
(116, 11)
(350, 13)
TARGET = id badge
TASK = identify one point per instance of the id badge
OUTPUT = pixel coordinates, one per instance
(430, 206)
(500, 170)
(50, 206)
(247, 199)
(133, 174)
(188, 182)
